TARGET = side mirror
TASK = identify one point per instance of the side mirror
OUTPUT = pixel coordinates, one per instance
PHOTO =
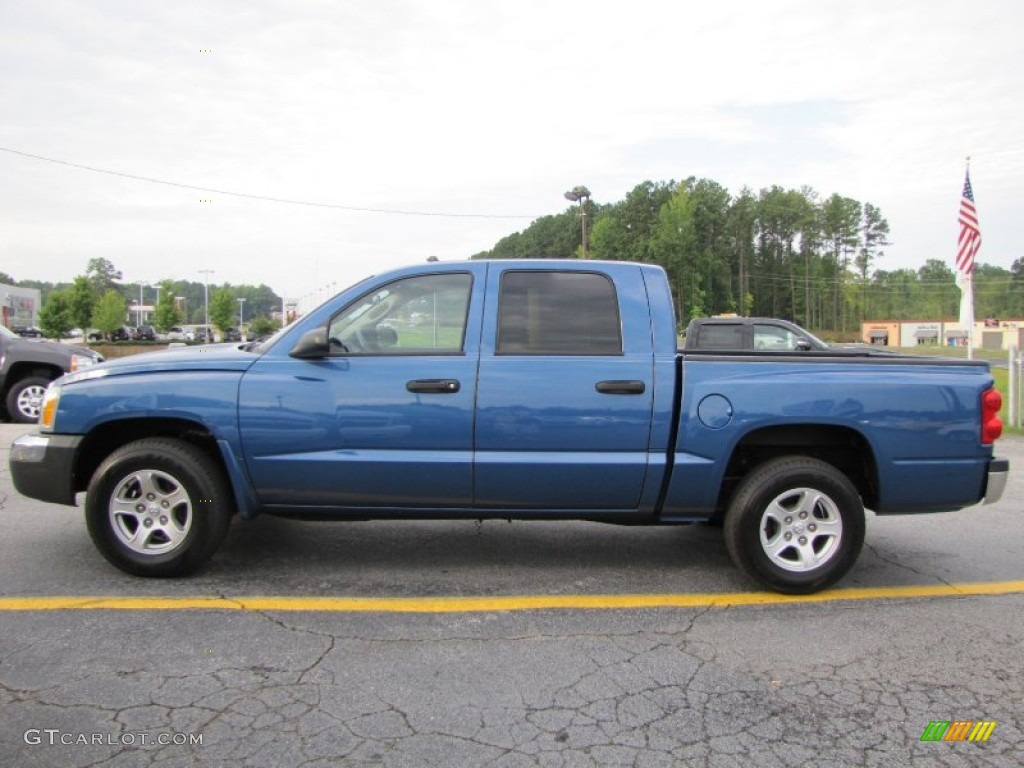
(312, 345)
(803, 345)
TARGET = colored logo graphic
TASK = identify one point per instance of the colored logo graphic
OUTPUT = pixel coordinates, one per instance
(958, 730)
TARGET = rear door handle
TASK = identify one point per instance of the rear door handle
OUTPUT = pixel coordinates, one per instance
(434, 386)
(625, 387)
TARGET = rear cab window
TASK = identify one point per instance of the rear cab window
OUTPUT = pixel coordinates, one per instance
(721, 336)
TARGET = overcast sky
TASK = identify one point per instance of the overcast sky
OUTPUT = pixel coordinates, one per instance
(481, 114)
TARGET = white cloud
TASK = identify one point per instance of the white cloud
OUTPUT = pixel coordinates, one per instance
(452, 106)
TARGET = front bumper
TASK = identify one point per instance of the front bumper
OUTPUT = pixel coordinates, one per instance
(42, 466)
(998, 472)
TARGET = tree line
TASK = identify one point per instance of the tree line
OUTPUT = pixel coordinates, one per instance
(786, 253)
(98, 299)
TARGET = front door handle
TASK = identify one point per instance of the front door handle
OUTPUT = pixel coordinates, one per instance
(433, 386)
(626, 387)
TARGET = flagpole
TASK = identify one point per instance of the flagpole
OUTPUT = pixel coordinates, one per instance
(970, 331)
(970, 289)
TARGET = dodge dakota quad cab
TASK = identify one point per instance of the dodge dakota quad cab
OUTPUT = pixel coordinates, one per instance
(27, 367)
(512, 389)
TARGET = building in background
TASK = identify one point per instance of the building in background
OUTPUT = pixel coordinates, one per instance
(881, 334)
(20, 306)
(986, 334)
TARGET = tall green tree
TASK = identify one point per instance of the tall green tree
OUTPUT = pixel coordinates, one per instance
(841, 233)
(103, 275)
(809, 263)
(874, 237)
(623, 231)
(674, 246)
(711, 257)
(781, 215)
(55, 316)
(82, 298)
(109, 313)
(938, 295)
(741, 225)
(167, 314)
(222, 309)
(996, 293)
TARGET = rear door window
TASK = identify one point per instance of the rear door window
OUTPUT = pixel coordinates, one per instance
(558, 313)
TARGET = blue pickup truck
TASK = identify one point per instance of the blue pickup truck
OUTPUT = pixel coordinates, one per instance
(513, 389)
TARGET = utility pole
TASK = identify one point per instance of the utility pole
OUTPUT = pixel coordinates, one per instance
(580, 194)
(206, 301)
(139, 317)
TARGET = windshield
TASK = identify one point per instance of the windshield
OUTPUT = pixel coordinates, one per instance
(815, 341)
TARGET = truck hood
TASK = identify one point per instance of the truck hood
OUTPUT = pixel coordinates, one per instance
(52, 349)
(211, 357)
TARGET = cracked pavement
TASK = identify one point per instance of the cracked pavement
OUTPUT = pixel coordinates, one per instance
(825, 684)
(767, 686)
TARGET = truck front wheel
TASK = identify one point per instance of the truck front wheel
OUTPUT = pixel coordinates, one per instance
(25, 399)
(158, 507)
(795, 524)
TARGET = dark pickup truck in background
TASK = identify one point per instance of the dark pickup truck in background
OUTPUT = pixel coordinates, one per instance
(27, 367)
(760, 334)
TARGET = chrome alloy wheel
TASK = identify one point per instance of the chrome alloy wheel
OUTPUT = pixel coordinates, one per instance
(801, 529)
(150, 512)
(30, 401)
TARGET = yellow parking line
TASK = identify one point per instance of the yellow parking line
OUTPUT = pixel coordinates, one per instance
(510, 603)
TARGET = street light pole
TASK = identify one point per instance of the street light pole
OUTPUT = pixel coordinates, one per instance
(141, 286)
(580, 194)
(206, 301)
(241, 313)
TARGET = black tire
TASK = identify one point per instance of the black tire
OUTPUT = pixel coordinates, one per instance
(795, 524)
(25, 399)
(158, 507)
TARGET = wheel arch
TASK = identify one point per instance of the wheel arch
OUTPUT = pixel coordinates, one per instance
(22, 370)
(107, 437)
(848, 450)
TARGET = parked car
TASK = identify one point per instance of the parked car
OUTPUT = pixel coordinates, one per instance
(145, 333)
(28, 331)
(201, 333)
(124, 333)
(176, 333)
(232, 334)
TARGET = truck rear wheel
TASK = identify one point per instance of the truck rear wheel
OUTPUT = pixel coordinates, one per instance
(795, 524)
(158, 507)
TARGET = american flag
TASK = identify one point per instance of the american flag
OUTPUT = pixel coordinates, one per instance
(970, 234)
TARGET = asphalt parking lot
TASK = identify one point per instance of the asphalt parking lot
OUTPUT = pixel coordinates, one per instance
(508, 644)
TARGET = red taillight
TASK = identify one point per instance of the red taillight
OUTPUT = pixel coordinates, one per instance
(991, 425)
